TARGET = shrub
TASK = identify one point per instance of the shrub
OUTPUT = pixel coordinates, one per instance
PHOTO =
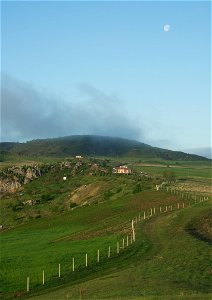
(18, 205)
(119, 189)
(47, 197)
(73, 204)
(137, 188)
(107, 194)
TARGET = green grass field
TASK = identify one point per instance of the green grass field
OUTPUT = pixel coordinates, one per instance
(165, 262)
(43, 244)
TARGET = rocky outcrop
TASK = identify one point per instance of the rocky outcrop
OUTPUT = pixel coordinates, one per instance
(8, 186)
(13, 178)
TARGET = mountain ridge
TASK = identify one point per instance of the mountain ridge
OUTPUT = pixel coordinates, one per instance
(92, 145)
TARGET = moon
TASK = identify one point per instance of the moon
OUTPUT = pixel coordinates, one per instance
(166, 27)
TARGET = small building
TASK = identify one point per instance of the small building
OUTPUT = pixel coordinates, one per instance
(79, 156)
(122, 170)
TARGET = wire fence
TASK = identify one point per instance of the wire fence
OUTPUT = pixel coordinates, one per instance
(126, 241)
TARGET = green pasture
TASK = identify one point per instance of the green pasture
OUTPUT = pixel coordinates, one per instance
(180, 171)
(166, 262)
(174, 265)
(43, 243)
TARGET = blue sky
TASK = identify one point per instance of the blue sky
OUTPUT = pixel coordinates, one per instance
(107, 68)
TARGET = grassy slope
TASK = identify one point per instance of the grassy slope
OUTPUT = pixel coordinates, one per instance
(175, 266)
(28, 248)
(45, 242)
(53, 184)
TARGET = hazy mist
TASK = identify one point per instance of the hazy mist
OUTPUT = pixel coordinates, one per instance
(29, 113)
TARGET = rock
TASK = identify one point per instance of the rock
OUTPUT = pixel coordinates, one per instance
(30, 202)
(7, 186)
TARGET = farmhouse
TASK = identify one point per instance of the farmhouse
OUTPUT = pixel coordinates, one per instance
(122, 170)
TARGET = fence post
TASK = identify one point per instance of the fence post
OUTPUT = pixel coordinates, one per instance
(178, 205)
(127, 241)
(183, 205)
(73, 264)
(59, 270)
(144, 215)
(166, 209)
(133, 231)
(123, 243)
(27, 284)
(139, 217)
(86, 260)
(108, 252)
(98, 256)
(117, 247)
(43, 277)
(154, 211)
(150, 212)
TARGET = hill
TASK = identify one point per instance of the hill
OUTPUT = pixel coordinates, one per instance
(92, 146)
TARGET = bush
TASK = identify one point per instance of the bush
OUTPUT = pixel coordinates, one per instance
(107, 194)
(73, 204)
(119, 189)
(47, 197)
(137, 188)
(18, 205)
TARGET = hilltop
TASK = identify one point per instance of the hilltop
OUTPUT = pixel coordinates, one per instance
(90, 145)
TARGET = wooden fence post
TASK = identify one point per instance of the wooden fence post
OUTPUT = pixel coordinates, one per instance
(27, 284)
(98, 256)
(43, 277)
(108, 252)
(127, 241)
(144, 215)
(160, 209)
(178, 205)
(133, 231)
(117, 247)
(154, 211)
(183, 205)
(139, 217)
(123, 243)
(59, 270)
(73, 264)
(86, 260)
